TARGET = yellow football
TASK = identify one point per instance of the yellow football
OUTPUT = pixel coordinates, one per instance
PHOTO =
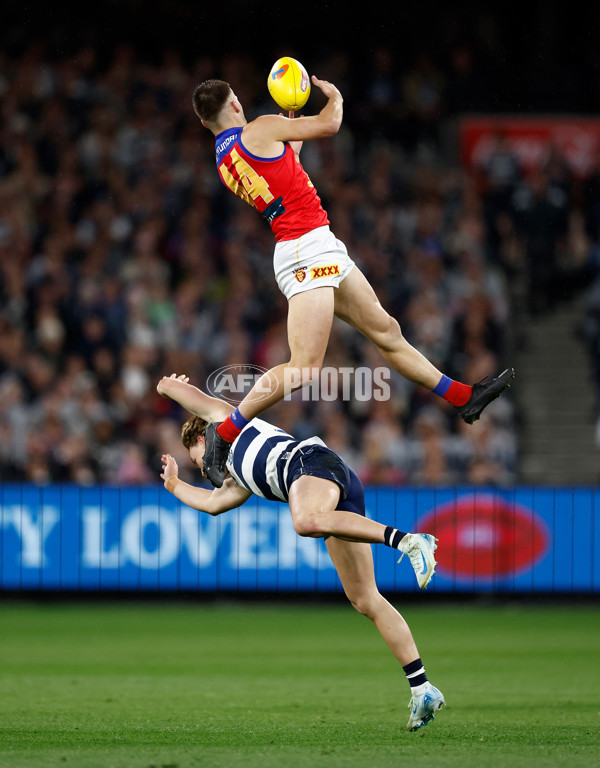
(288, 84)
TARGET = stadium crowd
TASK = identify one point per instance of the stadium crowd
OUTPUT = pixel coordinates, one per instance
(122, 259)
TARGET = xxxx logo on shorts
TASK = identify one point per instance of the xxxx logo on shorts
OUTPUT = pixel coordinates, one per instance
(300, 274)
(331, 269)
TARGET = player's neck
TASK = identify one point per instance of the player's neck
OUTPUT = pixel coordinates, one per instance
(235, 122)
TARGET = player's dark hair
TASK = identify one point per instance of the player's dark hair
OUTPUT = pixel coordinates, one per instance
(191, 430)
(209, 98)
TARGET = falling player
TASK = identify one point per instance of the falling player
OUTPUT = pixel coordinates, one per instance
(326, 500)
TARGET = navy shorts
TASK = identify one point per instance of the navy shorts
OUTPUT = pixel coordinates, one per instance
(318, 461)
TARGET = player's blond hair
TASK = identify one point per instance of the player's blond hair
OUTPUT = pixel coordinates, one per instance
(191, 430)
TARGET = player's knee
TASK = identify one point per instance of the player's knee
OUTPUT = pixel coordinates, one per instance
(308, 525)
(297, 376)
(388, 334)
(393, 334)
(366, 602)
(307, 367)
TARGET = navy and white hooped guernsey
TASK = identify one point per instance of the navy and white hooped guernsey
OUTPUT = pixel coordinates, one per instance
(260, 457)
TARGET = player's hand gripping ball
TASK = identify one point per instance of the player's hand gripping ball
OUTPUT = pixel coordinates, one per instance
(289, 84)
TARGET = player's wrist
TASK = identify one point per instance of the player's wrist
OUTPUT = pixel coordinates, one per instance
(171, 482)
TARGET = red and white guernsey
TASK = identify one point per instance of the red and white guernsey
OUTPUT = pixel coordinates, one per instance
(278, 187)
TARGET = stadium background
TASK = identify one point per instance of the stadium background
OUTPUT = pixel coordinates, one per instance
(121, 259)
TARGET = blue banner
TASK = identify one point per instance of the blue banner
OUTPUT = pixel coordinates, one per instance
(129, 539)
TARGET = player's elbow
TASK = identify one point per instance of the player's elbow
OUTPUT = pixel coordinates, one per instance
(203, 501)
(331, 127)
(214, 509)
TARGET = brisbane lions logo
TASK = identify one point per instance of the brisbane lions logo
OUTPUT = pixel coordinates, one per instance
(300, 274)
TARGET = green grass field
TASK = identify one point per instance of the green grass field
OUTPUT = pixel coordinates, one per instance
(134, 686)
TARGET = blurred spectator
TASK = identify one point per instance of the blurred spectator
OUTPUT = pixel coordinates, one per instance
(465, 88)
(123, 260)
(541, 217)
(423, 88)
(589, 331)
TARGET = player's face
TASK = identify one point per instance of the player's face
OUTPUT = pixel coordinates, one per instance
(197, 453)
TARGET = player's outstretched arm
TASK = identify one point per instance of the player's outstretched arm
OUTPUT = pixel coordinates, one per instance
(228, 496)
(191, 398)
(260, 133)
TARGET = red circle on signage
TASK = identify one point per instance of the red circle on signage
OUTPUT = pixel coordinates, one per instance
(485, 536)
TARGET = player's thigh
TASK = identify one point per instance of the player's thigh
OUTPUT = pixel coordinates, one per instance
(356, 302)
(353, 562)
(309, 495)
(310, 315)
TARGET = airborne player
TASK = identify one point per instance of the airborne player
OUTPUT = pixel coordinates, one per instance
(259, 162)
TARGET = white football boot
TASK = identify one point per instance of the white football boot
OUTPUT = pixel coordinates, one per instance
(423, 705)
(420, 548)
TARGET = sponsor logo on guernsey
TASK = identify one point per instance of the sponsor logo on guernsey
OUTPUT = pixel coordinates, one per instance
(221, 148)
(224, 144)
(330, 269)
(274, 209)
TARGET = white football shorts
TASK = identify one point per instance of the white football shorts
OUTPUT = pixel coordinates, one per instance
(313, 260)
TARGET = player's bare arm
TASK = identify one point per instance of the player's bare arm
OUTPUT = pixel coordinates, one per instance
(266, 133)
(228, 496)
(177, 387)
